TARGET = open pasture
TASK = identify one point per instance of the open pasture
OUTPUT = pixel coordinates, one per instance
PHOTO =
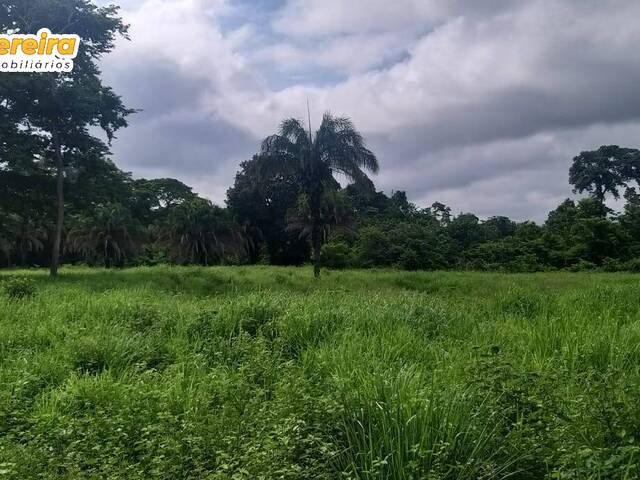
(266, 373)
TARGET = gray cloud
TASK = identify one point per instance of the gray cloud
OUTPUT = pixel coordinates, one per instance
(478, 104)
(171, 135)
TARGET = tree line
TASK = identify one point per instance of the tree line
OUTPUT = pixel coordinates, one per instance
(63, 198)
(115, 220)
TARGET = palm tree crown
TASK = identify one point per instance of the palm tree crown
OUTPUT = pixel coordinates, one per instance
(109, 235)
(196, 231)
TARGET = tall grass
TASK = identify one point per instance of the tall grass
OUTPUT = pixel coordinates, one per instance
(263, 372)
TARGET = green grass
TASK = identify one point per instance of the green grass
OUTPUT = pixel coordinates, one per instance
(265, 373)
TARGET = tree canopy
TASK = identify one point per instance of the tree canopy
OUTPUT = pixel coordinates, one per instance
(605, 171)
(49, 116)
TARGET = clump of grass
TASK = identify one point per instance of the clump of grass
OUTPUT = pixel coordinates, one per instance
(118, 352)
(17, 288)
(404, 426)
(522, 303)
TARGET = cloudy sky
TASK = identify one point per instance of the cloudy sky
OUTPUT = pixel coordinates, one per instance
(480, 104)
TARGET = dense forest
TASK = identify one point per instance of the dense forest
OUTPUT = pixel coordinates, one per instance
(63, 198)
(116, 220)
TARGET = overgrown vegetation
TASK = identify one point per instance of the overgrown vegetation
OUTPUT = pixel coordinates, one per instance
(64, 199)
(125, 222)
(256, 372)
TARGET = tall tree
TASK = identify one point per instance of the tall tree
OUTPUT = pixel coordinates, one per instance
(336, 147)
(604, 171)
(630, 220)
(440, 212)
(151, 200)
(61, 108)
(465, 230)
(364, 198)
(260, 203)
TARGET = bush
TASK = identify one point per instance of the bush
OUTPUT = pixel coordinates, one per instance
(526, 262)
(612, 265)
(18, 287)
(335, 255)
(583, 266)
(374, 248)
(633, 265)
(153, 254)
(410, 260)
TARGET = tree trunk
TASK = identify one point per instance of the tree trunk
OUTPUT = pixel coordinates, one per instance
(600, 193)
(57, 239)
(316, 250)
(316, 234)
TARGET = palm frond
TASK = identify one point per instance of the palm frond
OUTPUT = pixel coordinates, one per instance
(199, 232)
(342, 148)
(109, 235)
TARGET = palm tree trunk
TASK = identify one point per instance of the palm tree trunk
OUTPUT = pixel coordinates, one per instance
(107, 257)
(57, 239)
(316, 250)
(316, 239)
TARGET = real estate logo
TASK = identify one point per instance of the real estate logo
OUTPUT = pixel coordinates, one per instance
(43, 52)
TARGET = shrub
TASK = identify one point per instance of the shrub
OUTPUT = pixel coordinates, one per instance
(18, 287)
(583, 266)
(374, 247)
(335, 255)
(633, 265)
(410, 260)
(153, 254)
(612, 265)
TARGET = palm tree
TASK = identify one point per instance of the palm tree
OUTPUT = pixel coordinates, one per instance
(336, 147)
(28, 238)
(7, 232)
(109, 235)
(19, 237)
(196, 231)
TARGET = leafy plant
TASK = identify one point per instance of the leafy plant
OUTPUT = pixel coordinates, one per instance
(18, 287)
(336, 255)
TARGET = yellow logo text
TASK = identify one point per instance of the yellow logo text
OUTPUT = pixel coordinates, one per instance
(43, 52)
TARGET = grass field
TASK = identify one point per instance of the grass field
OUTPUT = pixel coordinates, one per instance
(264, 373)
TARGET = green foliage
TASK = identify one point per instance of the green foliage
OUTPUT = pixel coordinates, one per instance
(197, 231)
(255, 372)
(49, 117)
(17, 287)
(373, 247)
(582, 266)
(412, 244)
(604, 171)
(612, 265)
(337, 147)
(154, 254)
(260, 201)
(107, 236)
(336, 255)
(632, 265)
